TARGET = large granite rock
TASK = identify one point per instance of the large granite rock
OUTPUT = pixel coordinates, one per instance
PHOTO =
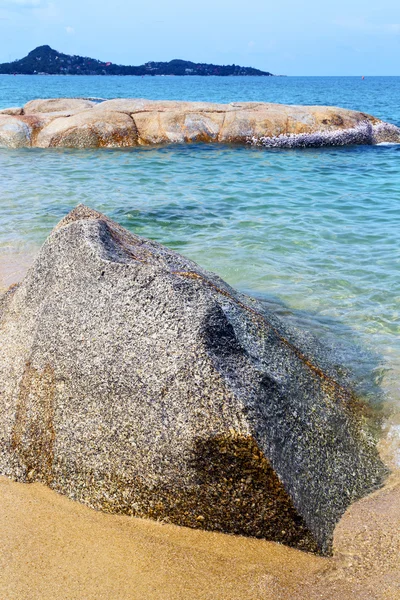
(81, 123)
(89, 129)
(136, 382)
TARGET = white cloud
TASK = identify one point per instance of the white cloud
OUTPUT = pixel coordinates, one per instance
(70, 30)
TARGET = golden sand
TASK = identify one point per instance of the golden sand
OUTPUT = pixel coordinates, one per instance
(52, 548)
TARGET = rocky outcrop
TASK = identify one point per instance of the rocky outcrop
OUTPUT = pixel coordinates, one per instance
(138, 383)
(81, 123)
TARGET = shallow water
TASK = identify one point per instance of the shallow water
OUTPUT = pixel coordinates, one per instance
(314, 229)
(314, 232)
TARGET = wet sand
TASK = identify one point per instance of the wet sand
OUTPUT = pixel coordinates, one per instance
(53, 548)
(13, 267)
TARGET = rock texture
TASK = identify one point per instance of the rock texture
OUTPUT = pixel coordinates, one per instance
(81, 123)
(136, 382)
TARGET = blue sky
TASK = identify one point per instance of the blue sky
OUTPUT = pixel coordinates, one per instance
(345, 37)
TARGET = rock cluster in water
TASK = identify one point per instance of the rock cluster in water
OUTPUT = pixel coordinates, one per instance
(118, 123)
(136, 382)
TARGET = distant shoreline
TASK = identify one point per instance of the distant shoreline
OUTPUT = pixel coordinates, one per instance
(44, 60)
(130, 75)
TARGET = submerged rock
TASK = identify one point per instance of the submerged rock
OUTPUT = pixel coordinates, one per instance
(138, 383)
(122, 122)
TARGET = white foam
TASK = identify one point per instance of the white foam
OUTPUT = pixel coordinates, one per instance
(393, 437)
(388, 144)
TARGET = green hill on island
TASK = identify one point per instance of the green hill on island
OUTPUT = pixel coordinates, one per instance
(45, 60)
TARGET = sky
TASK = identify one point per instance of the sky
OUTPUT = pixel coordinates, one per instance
(286, 37)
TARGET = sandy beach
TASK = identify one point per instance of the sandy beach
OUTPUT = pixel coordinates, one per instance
(52, 548)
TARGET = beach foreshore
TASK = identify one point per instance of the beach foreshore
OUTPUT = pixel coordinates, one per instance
(52, 547)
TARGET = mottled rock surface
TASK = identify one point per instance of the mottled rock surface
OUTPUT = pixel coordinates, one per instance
(57, 105)
(138, 383)
(83, 123)
(14, 133)
(89, 129)
(14, 110)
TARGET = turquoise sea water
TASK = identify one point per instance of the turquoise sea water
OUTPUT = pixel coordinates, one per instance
(314, 232)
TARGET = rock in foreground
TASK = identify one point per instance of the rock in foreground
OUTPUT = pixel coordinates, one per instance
(119, 123)
(136, 382)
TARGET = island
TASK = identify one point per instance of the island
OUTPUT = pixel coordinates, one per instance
(44, 60)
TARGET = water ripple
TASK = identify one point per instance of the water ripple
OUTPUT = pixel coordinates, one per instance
(317, 230)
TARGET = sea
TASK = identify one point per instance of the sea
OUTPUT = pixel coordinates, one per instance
(312, 232)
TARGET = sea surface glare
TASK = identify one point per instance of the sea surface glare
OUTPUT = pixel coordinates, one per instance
(314, 232)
